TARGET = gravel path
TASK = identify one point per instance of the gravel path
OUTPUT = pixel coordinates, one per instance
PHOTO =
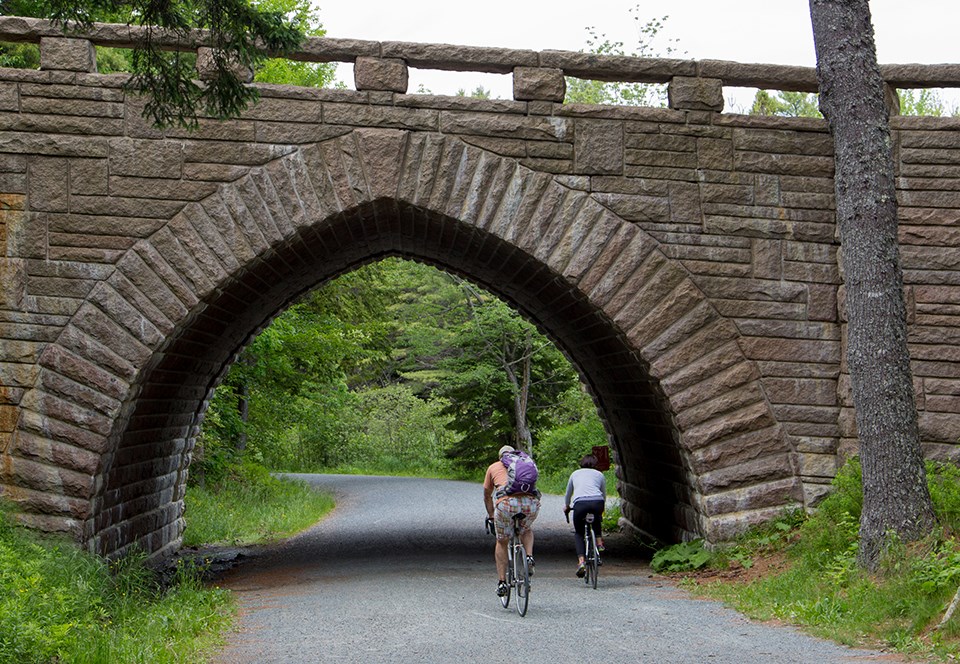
(402, 571)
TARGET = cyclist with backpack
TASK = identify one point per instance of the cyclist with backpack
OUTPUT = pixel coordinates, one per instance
(509, 487)
(588, 489)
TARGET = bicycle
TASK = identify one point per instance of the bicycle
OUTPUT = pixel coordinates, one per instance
(518, 570)
(591, 560)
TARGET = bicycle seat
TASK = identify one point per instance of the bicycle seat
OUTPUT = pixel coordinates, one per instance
(588, 517)
(519, 517)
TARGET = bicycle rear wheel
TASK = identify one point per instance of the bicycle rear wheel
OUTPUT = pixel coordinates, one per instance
(505, 599)
(522, 575)
(592, 559)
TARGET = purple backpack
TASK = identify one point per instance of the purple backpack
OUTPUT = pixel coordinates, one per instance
(521, 473)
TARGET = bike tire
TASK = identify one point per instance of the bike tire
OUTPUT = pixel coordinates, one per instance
(522, 578)
(505, 600)
(593, 559)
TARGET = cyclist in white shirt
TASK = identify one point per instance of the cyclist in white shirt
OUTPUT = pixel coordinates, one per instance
(586, 494)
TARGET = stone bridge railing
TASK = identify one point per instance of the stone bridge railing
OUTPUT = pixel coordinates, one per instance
(537, 75)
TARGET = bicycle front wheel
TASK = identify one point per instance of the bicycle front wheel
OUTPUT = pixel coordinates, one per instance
(522, 572)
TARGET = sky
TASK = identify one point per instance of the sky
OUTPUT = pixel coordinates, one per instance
(755, 31)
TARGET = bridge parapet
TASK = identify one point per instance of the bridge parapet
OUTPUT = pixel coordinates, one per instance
(529, 83)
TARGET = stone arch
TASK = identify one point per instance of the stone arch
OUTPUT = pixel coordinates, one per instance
(105, 437)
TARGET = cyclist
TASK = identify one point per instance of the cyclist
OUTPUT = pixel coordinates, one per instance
(500, 510)
(588, 488)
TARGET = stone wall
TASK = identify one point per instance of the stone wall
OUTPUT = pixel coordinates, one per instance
(684, 259)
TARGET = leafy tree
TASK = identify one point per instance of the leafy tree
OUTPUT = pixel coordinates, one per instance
(923, 102)
(785, 103)
(306, 18)
(896, 500)
(502, 381)
(479, 92)
(240, 32)
(584, 91)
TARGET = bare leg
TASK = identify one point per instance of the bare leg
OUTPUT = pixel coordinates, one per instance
(500, 556)
(526, 538)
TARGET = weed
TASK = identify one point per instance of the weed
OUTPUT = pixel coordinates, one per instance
(682, 557)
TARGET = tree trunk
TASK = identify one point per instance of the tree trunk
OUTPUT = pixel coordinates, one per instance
(523, 438)
(895, 494)
(243, 408)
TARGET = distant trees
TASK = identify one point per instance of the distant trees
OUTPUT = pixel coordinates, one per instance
(785, 103)
(583, 91)
(396, 366)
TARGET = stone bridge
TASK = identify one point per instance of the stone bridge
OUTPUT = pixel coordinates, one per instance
(683, 258)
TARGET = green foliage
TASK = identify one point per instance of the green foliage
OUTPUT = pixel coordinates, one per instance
(396, 368)
(479, 92)
(238, 31)
(400, 432)
(786, 104)
(924, 102)
(306, 18)
(487, 374)
(823, 589)
(59, 604)
(561, 447)
(583, 91)
(248, 505)
(19, 56)
(682, 557)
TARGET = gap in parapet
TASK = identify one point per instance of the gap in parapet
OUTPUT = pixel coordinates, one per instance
(439, 82)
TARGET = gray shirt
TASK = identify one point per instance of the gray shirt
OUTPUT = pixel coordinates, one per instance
(585, 484)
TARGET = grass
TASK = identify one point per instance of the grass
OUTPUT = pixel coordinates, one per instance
(250, 506)
(59, 604)
(803, 571)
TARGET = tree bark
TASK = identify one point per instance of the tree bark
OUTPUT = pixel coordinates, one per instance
(243, 409)
(523, 438)
(895, 495)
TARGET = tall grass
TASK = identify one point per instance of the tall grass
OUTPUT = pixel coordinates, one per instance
(248, 506)
(822, 588)
(59, 604)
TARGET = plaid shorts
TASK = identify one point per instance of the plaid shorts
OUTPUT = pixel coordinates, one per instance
(505, 509)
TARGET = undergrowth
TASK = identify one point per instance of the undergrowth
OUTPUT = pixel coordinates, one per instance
(59, 604)
(248, 505)
(818, 584)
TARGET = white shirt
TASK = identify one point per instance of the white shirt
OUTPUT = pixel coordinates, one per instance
(585, 484)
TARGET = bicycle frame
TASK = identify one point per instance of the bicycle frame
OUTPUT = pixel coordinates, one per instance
(518, 572)
(592, 554)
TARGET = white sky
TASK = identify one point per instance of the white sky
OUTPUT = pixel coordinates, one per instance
(768, 31)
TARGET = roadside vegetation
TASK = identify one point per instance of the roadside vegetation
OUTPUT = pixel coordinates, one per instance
(59, 604)
(247, 505)
(803, 570)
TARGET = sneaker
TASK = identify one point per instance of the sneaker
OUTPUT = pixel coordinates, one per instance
(601, 548)
(581, 571)
(530, 565)
(502, 589)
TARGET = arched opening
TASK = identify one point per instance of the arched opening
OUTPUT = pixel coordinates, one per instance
(143, 482)
(699, 447)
